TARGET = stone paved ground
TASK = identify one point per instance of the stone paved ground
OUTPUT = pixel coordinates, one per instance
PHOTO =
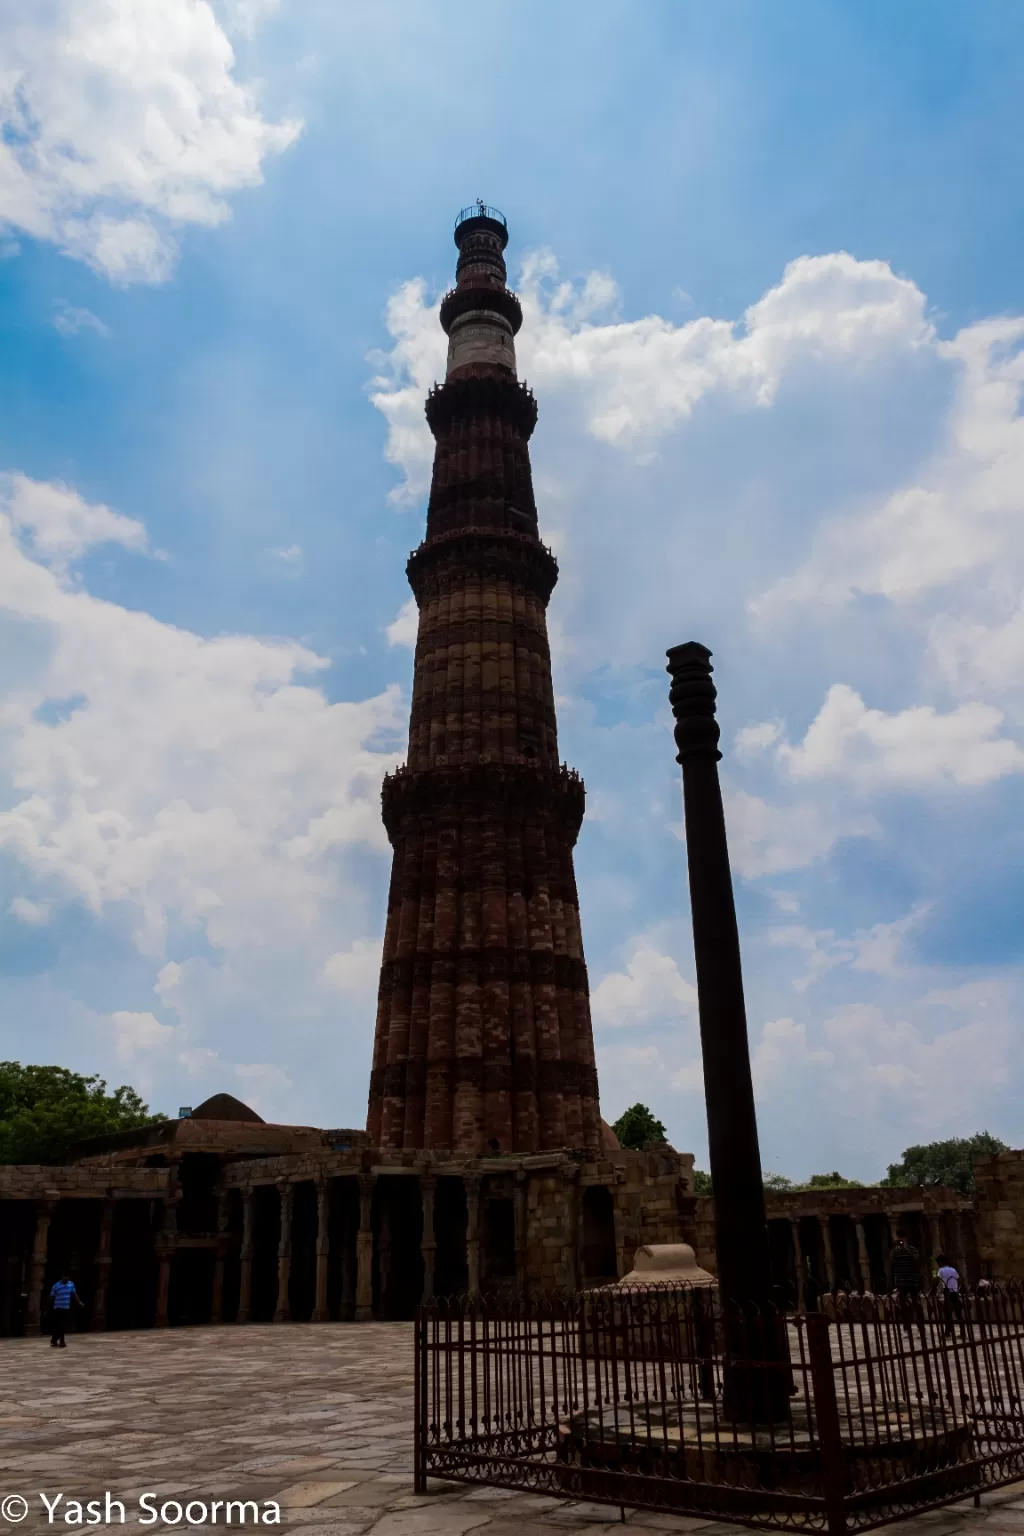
(318, 1418)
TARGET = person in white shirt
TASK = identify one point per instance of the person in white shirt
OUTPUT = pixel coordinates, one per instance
(949, 1279)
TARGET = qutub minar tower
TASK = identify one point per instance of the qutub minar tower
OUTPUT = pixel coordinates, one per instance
(483, 1035)
(484, 1163)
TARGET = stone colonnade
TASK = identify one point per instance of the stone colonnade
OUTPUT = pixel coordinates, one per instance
(850, 1249)
(312, 1243)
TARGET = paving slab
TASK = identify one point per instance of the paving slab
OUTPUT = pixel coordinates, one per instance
(315, 1417)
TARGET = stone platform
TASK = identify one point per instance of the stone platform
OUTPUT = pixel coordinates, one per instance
(316, 1417)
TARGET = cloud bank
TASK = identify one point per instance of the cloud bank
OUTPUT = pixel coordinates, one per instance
(122, 123)
(831, 494)
(202, 796)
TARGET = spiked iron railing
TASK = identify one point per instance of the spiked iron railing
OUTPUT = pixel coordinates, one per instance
(615, 1396)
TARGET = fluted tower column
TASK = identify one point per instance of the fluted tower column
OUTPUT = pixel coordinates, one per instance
(483, 1023)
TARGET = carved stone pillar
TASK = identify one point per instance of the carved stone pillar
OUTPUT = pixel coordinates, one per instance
(282, 1312)
(98, 1322)
(166, 1244)
(323, 1245)
(886, 1251)
(364, 1250)
(927, 1249)
(959, 1250)
(428, 1242)
(245, 1266)
(798, 1262)
(571, 1255)
(521, 1225)
(619, 1225)
(223, 1217)
(863, 1257)
(37, 1265)
(830, 1264)
(163, 1288)
(472, 1183)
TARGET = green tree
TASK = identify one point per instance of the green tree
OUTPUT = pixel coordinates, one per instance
(833, 1180)
(944, 1162)
(636, 1126)
(702, 1182)
(776, 1181)
(44, 1109)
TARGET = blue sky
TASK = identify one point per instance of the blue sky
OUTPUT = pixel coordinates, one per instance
(770, 267)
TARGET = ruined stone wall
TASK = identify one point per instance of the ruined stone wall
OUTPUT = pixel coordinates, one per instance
(1000, 1206)
(78, 1182)
(704, 1234)
(551, 1226)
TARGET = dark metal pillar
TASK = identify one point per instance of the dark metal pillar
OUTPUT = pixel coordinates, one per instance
(741, 1226)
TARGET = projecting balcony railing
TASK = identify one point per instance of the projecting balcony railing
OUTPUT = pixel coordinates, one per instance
(480, 210)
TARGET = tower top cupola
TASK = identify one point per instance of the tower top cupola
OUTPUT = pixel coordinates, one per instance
(480, 315)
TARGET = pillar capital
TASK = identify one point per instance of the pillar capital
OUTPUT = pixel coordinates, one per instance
(692, 697)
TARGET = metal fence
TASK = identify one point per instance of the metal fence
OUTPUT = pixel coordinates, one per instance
(655, 1398)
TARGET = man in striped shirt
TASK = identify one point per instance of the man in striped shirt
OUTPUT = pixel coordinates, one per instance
(62, 1294)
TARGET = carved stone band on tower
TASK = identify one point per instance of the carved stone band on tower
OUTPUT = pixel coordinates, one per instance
(483, 1037)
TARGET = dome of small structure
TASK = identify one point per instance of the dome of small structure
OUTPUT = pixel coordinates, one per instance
(224, 1106)
(667, 1264)
(609, 1141)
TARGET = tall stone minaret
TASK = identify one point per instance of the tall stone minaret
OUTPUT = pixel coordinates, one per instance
(483, 1036)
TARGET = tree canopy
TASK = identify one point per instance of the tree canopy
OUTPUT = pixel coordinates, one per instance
(834, 1180)
(636, 1126)
(44, 1109)
(944, 1162)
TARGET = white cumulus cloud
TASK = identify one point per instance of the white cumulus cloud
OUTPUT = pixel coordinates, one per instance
(122, 122)
(59, 525)
(173, 785)
(910, 747)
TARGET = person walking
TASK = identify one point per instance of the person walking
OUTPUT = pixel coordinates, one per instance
(949, 1280)
(62, 1294)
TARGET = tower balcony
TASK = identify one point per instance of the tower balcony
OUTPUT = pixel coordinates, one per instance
(502, 300)
(478, 217)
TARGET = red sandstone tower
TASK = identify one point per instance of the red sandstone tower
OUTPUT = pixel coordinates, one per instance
(483, 1020)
